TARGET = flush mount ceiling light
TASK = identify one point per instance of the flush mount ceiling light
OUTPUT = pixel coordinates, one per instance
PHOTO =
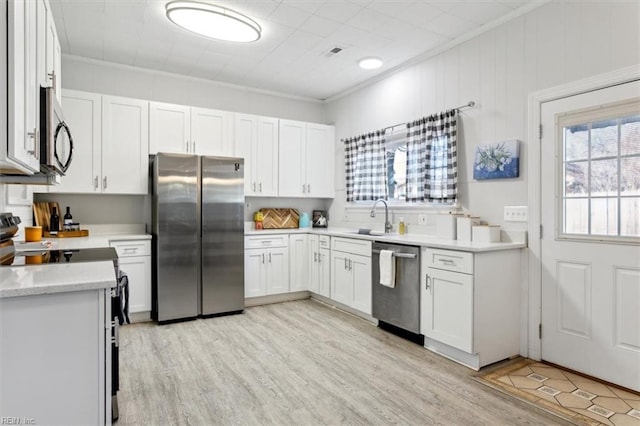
(213, 21)
(370, 63)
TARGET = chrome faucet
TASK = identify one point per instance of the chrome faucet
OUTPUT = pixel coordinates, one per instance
(387, 224)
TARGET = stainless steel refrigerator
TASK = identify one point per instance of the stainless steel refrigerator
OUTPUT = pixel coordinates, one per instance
(198, 236)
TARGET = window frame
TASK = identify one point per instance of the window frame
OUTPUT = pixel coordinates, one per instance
(612, 111)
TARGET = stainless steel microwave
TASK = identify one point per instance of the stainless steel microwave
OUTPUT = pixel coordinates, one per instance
(56, 143)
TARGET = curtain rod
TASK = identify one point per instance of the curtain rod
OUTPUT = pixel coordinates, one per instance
(469, 104)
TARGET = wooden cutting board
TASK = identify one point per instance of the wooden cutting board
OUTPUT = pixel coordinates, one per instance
(42, 214)
(280, 218)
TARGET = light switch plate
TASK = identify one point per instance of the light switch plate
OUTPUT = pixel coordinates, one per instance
(516, 213)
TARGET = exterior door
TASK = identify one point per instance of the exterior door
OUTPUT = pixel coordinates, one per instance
(590, 216)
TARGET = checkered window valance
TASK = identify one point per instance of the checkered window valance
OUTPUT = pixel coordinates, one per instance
(431, 163)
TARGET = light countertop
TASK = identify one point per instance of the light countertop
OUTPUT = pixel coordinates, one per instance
(92, 241)
(408, 239)
(55, 278)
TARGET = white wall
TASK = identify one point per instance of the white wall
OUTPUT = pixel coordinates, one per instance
(133, 82)
(554, 44)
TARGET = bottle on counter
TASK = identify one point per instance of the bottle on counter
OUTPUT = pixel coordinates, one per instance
(54, 222)
(402, 227)
(68, 220)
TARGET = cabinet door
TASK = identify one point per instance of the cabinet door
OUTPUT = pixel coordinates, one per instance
(298, 262)
(246, 136)
(138, 270)
(23, 96)
(277, 270)
(291, 173)
(314, 264)
(447, 308)
(254, 273)
(360, 267)
(82, 113)
(341, 278)
(169, 128)
(53, 59)
(319, 160)
(324, 272)
(211, 132)
(265, 152)
(125, 145)
(42, 29)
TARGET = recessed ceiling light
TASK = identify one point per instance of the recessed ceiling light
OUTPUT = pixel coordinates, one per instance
(370, 63)
(213, 21)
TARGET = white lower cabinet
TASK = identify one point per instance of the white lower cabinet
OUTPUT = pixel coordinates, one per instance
(470, 304)
(266, 265)
(134, 258)
(351, 273)
(298, 262)
(320, 265)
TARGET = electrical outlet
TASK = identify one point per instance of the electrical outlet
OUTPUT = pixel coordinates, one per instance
(422, 219)
(516, 213)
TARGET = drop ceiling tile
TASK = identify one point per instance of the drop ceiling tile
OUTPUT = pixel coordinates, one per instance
(419, 14)
(338, 11)
(303, 39)
(306, 5)
(450, 26)
(321, 26)
(368, 20)
(257, 10)
(479, 12)
(289, 15)
(347, 34)
(132, 12)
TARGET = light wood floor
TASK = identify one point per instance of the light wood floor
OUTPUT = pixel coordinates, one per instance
(299, 363)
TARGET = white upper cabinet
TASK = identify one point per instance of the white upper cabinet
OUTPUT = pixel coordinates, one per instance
(306, 160)
(125, 145)
(20, 152)
(169, 128)
(49, 52)
(33, 54)
(187, 130)
(83, 113)
(256, 139)
(212, 132)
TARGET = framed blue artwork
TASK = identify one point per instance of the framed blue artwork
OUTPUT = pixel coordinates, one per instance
(499, 160)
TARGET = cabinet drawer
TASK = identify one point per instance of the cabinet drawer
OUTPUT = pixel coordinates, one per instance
(324, 241)
(280, 240)
(351, 245)
(132, 248)
(448, 260)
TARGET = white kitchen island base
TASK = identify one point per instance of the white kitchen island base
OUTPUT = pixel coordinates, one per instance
(55, 347)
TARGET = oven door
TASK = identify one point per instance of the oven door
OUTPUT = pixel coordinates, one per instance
(56, 143)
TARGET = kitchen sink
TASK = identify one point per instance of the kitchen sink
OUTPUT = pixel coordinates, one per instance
(365, 231)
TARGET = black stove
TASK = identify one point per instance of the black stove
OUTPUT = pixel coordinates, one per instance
(32, 257)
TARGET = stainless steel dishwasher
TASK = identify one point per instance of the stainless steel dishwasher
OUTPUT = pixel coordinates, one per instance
(398, 309)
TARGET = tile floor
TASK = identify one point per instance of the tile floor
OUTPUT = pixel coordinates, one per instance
(571, 396)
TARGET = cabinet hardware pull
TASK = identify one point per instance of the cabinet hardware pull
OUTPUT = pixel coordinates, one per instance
(104, 182)
(303, 191)
(260, 187)
(52, 77)
(33, 135)
(269, 257)
(346, 266)
(350, 264)
(447, 261)
(308, 188)
(254, 187)
(315, 256)
(426, 282)
(186, 146)
(194, 147)
(263, 258)
(95, 182)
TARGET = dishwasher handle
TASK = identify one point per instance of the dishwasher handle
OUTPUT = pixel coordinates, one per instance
(397, 254)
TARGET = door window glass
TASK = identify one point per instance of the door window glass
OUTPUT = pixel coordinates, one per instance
(601, 172)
